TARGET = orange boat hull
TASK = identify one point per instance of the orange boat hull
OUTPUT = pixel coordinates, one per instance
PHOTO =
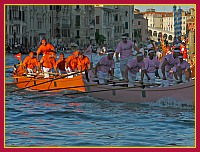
(54, 85)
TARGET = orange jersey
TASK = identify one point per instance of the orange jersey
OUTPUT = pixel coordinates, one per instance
(48, 62)
(60, 64)
(20, 70)
(72, 62)
(84, 63)
(44, 49)
(30, 63)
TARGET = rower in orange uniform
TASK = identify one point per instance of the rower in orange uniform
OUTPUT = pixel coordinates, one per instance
(19, 71)
(71, 64)
(84, 64)
(60, 64)
(45, 48)
(48, 62)
(30, 63)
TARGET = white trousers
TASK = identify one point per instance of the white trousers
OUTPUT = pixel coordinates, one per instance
(123, 64)
(152, 78)
(46, 72)
(170, 80)
(183, 77)
(30, 71)
(165, 83)
(131, 79)
(102, 76)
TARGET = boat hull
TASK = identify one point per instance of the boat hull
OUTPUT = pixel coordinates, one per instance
(41, 84)
(185, 93)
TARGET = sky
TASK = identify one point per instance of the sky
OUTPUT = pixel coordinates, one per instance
(162, 8)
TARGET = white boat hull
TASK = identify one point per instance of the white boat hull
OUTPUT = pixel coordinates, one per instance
(185, 93)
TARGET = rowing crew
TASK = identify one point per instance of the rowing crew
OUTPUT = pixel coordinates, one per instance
(77, 62)
(149, 68)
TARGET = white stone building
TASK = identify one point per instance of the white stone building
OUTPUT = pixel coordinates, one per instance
(168, 22)
(65, 24)
(37, 24)
(112, 21)
(15, 25)
(154, 18)
(140, 26)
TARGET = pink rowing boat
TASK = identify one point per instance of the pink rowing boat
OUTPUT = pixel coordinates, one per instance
(184, 92)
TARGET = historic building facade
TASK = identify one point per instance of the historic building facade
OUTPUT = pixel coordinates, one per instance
(66, 24)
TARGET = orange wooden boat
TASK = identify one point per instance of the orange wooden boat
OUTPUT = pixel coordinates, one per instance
(53, 83)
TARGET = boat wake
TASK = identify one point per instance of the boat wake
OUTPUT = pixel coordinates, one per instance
(168, 102)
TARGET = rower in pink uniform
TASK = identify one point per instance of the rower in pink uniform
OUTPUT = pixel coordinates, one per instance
(105, 66)
(151, 66)
(124, 48)
(169, 61)
(179, 70)
(133, 67)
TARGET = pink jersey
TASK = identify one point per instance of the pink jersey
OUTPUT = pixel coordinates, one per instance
(171, 62)
(135, 66)
(105, 64)
(184, 65)
(125, 49)
(150, 65)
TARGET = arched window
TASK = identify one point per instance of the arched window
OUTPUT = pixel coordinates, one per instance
(159, 34)
(170, 37)
(155, 33)
(165, 35)
(150, 32)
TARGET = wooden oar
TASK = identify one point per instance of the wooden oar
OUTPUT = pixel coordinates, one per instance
(103, 90)
(80, 87)
(8, 78)
(11, 66)
(14, 77)
(11, 83)
(60, 77)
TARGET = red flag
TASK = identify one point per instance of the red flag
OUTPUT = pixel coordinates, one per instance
(18, 56)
